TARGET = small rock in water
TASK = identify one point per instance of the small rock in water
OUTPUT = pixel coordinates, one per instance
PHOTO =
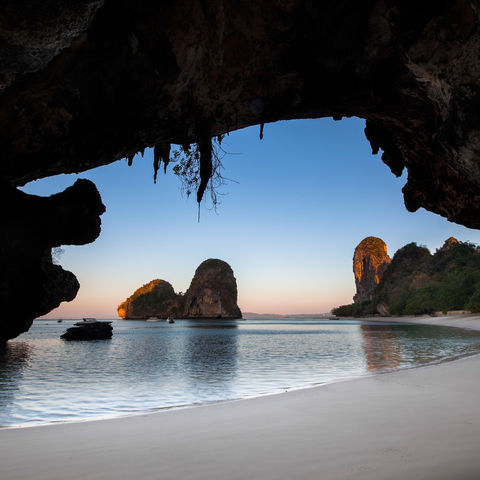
(89, 331)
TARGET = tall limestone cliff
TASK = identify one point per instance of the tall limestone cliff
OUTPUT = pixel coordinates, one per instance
(213, 292)
(370, 261)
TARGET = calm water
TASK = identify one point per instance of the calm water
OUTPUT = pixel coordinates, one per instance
(149, 366)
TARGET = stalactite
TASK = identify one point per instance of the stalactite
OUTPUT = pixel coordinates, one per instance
(142, 151)
(130, 160)
(261, 131)
(161, 152)
(156, 162)
(205, 148)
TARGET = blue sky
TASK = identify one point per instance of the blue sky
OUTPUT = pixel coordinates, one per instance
(302, 199)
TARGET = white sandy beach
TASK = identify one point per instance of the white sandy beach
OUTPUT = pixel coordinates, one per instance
(422, 423)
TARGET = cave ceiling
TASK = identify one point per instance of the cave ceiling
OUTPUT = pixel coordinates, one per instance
(84, 83)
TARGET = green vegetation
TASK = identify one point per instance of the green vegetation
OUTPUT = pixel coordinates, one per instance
(417, 282)
(361, 309)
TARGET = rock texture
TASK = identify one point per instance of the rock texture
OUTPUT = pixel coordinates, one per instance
(370, 261)
(88, 82)
(154, 299)
(213, 292)
(417, 282)
(30, 284)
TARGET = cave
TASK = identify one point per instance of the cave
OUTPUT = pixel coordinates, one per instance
(90, 82)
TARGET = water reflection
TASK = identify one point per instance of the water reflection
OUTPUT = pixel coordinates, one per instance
(211, 353)
(14, 359)
(381, 347)
(148, 366)
(392, 346)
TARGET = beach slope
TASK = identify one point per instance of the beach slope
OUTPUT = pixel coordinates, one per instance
(422, 423)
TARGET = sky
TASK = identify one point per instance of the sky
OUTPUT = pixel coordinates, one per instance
(299, 202)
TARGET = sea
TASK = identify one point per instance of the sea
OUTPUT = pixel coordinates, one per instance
(148, 367)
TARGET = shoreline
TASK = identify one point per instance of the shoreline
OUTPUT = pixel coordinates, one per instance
(401, 320)
(422, 422)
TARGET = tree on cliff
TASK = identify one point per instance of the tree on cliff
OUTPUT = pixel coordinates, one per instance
(417, 282)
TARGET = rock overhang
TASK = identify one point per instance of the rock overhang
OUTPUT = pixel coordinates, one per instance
(134, 74)
(86, 83)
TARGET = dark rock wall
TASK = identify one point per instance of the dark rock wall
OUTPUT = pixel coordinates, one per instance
(88, 82)
(30, 284)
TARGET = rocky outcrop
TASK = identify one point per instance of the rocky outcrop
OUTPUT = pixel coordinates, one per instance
(89, 331)
(154, 299)
(213, 292)
(370, 261)
(30, 284)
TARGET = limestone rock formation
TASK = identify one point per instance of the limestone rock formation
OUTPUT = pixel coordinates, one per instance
(30, 284)
(88, 82)
(213, 292)
(370, 261)
(154, 299)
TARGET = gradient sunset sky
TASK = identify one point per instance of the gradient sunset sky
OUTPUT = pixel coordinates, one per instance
(306, 195)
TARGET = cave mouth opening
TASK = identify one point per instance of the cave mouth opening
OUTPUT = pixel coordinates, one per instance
(316, 188)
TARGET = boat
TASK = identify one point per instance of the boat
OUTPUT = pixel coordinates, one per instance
(153, 319)
(89, 319)
(170, 320)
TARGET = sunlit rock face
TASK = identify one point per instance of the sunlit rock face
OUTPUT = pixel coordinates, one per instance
(213, 292)
(370, 261)
(154, 299)
(30, 284)
(88, 82)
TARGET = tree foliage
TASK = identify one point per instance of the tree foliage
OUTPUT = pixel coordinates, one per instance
(417, 282)
(188, 168)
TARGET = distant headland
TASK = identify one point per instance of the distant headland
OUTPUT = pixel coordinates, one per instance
(212, 294)
(414, 282)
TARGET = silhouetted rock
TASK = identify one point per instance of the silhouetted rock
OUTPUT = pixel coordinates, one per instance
(89, 331)
(370, 261)
(30, 284)
(213, 292)
(154, 299)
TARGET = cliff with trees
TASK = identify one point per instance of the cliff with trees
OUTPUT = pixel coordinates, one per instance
(417, 282)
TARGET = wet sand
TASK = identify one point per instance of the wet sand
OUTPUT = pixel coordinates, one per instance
(422, 423)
